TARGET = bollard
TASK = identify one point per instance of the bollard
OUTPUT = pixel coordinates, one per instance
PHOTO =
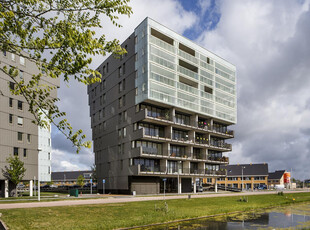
(189, 196)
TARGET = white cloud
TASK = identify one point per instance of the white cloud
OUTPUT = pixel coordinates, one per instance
(267, 43)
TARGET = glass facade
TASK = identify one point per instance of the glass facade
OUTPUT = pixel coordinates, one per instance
(175, 71)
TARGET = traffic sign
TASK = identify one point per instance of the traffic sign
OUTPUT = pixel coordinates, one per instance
(91, 181)
(164, 179)
(103, 181)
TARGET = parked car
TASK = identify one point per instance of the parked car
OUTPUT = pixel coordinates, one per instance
(53, 186)
(20, 186)
(199, 189)
(262, 187)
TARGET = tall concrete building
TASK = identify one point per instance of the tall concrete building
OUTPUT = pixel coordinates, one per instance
(161, 113)
(18, 135)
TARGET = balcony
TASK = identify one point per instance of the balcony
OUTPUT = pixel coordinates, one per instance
(180, 155)
(188, 57)
(219, 159)
(162, 44)
(142, 134)
(188, 72)
(143, 169)
(222, 131)
(221, 145)
(215, 172)
(198, 156)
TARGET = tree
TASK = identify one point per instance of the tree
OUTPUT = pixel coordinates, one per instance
(80, 181)
(59, 37)
(15, 171)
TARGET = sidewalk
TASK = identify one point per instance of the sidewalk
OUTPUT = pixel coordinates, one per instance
(109, 199)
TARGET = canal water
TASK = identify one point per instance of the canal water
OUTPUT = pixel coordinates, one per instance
(289, 217)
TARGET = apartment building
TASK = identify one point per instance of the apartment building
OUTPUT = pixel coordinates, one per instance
(245, 176)
(160, 116)
(18, 135)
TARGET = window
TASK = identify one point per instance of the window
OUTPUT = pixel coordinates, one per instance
(124, 100)
(20, 120)
(125, 116)
(10, 118)
(22, 60)
(104, 98)
(49, 156)
(143, 87)
(136, 91)
(94, 105)
(119, 71)
(126, 50)
(49, 169)
(12, 85)
(25, 152)
(21, 75)
(124, 68)
(15, 151)
(11, 102)
(4, 53)
(103, 70)
(136, 39)
(121, 164)
(124, 84)
(13, 57)
(119, 133)
(104, 125)
(120, 118)
(49, 142)
(107, 67)
(120, 87)
(119, 149)
(124, 132)
(20, 105)
(20, 136)
(120, 102)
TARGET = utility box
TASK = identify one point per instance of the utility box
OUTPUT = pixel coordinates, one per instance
(74, 192)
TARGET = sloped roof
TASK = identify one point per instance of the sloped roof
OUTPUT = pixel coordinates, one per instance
(68, 175)
(276, 175)
(248, 170)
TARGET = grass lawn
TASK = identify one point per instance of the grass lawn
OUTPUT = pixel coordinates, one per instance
(110, 216)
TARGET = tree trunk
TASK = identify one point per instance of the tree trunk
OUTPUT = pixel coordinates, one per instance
(15, 190)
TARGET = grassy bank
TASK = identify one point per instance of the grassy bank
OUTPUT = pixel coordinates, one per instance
(111, 216)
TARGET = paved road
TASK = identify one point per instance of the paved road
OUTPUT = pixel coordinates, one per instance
(108, 199)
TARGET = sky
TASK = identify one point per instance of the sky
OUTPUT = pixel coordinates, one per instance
(268, 42)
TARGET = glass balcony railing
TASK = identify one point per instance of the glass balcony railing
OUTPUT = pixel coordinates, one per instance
(215, 172)
(162, 44)
(187, 88)
(176, 154)
(188, 72)
(144, 168)
(197, 156)
(174, 170)
(221, 145)
(221, 159)
(151, 151)
(179, 138)
(188, 56)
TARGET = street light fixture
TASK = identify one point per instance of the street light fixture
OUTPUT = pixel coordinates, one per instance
(242, 167)
(39, 194)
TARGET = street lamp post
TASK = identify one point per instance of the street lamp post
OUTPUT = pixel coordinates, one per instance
(242, 167)
(39, 194)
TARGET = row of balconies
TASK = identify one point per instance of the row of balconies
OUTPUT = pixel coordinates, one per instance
(158, 170)
(165, 118)
(155, 153)
(214, 145)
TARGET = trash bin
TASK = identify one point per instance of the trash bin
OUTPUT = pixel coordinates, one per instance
(74, 192)
(133, 193)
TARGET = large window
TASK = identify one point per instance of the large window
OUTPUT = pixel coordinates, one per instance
(149, 147)
(156, 112)
(148, 165)
(175, 166)
(182, 119)
(177, 151)
(152, 130)
(180, 135)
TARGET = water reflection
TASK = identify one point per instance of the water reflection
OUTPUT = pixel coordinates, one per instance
(296, 217)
